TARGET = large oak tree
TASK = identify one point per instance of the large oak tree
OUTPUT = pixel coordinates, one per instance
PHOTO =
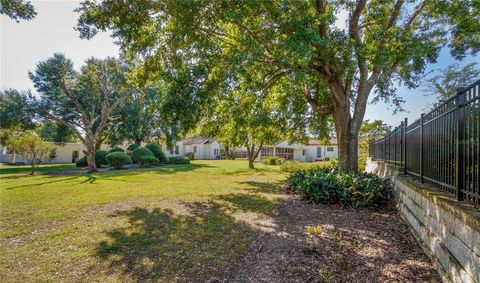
(334, 65)
(82, 101)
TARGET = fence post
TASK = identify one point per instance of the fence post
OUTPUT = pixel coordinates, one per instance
(404, 146)
(421, 148)
(459, 144)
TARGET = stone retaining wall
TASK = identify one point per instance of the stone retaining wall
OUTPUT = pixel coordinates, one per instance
(447, 230)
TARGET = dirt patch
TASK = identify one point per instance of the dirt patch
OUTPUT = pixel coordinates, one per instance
(341, 245)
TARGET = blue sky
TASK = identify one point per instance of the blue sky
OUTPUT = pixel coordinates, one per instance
(24, 44)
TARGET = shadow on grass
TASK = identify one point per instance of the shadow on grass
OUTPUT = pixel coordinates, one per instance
(17, 169)
(264, 187)
(249, 202)
(160, 246)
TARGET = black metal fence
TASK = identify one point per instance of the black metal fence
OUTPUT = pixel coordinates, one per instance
(442, 147)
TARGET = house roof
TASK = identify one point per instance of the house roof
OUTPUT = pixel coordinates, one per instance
(198, 140)
(332, 141)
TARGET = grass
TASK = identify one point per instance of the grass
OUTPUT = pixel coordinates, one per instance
(6, 169)
(169, 223)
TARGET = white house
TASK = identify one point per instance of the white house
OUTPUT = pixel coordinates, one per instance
(202, 148)
(313, 151)
(66, 153)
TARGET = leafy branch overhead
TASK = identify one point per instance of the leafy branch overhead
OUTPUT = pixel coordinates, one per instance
(301, 48)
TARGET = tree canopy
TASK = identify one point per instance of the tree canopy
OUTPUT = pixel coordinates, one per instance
(83, 101)
(16, 109)
(17, 9)
(332, 66)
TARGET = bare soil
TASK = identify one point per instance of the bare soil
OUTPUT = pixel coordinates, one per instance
(364, 245)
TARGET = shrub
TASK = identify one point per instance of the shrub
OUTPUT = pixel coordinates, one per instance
(132, 147)
(116, 149)
(179, 160)
(144, 156)
(326, 185)
(272, 160)
(156, 149)
(118, 159)
(99, 159)
(190, 155)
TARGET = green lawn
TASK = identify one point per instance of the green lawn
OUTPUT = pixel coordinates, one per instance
(170, 223)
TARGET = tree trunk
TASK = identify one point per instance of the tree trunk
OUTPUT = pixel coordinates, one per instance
(98, 145)
(250, 152)
(347, 139)
(138, 141)
(90, 154)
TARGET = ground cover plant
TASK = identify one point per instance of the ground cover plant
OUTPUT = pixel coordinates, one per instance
(327, 185)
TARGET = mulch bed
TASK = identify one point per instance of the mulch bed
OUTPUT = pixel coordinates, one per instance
(364, 245)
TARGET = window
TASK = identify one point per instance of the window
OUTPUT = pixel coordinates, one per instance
(303, 152)
(267, 151)
(319, 152)
(215, 152)
(330, 148)
(177, 149)
(286, 153)
(171, 151)
(194, 149)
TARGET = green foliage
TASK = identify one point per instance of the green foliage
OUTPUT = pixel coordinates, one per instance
(16, 109)
(368, 132)
(190, 155)
(132, 147)
(294, 165)
(17, 9)
(117, 159)
(99, 159)
(449, 80)
(82, 162)
(30, 146)
(144, 157)
(156, 149)
(293, 56)
(57, 133)
(326, 185)
(272, 160)
(178, 160)
(116, 149)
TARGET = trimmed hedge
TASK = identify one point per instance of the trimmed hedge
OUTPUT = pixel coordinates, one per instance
(325, 185)
(190, 155)
(118, 159)
(99, 159)
(144, 156)
(132, 147)
(116, 149)
(179, 160)
(156, 149)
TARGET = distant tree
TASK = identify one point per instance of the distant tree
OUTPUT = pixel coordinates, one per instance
(449, 80)
(242, 117)
(138, 118)
(16, 109)
(56, 132)
(30, 146)
(82, 101)
(368, 132)
(335, 69)
(17, 9)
